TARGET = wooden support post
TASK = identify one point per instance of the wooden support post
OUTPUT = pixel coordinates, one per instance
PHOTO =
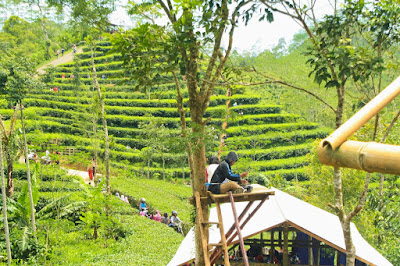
(272, 251)
(223, 239)
(310, 252)
(202, 233)
(217, 252)
(285, 244)
(245, 260)
(318, 253)
(337, 258)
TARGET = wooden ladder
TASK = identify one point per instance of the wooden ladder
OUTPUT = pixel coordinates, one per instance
(206, 246)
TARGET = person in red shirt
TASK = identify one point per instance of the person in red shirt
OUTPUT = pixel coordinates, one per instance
(90, 172)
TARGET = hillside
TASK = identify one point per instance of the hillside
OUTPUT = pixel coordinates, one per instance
(271, 141)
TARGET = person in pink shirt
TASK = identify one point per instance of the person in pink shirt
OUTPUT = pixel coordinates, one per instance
(157, 216)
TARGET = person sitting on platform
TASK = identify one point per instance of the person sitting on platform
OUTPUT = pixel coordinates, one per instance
(223, 172)
(213, 162)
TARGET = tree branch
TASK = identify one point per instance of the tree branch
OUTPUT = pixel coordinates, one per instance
(390, 127)
(167, 10)
(361, 200)
(294, 87)
(223, 58)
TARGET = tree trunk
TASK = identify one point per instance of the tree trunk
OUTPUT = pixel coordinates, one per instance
(28, 172)
(198, 179)
(148, 168)
(163, 167)
(350, 249)
(3, 192)
(95, 234)
(104, 121)
(10, 170)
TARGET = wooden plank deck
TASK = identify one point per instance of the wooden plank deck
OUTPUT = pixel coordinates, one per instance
(258, 193)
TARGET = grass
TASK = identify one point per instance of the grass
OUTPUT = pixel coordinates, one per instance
(158, 244)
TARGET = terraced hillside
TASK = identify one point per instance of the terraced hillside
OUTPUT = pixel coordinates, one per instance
(274, 142)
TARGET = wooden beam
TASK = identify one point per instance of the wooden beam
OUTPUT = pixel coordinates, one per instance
(245, 260)
(285, 244)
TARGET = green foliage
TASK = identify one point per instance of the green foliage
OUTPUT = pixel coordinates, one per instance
(19, 72)
(48, 77)
(262, 129)
(159, 195)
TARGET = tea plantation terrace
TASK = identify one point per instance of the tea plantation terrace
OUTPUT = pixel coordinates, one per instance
(276, 142)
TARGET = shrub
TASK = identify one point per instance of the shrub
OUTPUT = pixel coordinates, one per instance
(262, 129)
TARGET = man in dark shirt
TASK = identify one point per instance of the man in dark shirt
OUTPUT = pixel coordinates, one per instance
(223, 172)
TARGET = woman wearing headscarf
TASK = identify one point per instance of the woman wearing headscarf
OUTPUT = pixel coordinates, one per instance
(224, 171)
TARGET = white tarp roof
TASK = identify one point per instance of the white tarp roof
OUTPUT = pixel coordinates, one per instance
(279, 209)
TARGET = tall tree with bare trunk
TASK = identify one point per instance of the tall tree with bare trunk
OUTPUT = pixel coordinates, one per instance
(193, 39)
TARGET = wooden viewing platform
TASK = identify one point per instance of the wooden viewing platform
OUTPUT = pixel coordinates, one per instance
(258, 193)
(211, 255)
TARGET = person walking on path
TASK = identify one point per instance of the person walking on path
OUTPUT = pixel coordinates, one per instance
(62, 51)
(90, 172)
(223, 172)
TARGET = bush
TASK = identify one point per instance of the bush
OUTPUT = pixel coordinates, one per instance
(262, 129)
(276, 138)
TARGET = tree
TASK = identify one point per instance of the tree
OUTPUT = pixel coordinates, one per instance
(17, 75)
(93, 13)
(92, 45)
(193, 27)
(156, 136)
(87, 14)
(9, 140)
(4, 199)
(336, 60)
(39, 5)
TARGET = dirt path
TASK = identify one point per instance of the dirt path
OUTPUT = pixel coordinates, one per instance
(83, 174)
(61, 60)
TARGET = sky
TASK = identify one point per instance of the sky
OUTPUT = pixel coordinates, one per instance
(256, 36)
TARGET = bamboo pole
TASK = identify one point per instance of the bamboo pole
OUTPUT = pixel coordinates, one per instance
(341, 134)
(367, 156)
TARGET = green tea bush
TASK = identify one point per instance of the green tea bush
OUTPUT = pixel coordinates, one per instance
(262, 119)
(275, 164)
(276, 138)
(286, 174)
(140, 103)
(52, 127)
(137, 157)
(278, 152)
(134, 121)
(142, 111)
(50, 104)
(86, 55)
(140, 170)
(122, 132)
(256, 109)
(262, 129)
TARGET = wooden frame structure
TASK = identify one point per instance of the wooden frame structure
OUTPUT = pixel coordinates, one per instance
(211, 254)
(279, 237)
